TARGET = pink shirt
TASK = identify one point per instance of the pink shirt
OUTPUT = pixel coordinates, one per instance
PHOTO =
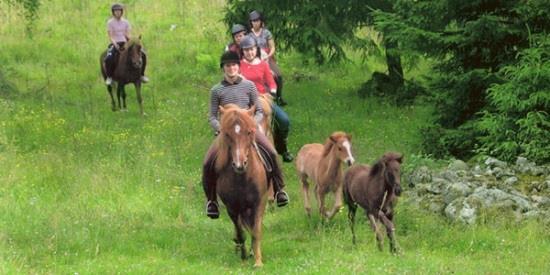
(118, 29)
(260, 74)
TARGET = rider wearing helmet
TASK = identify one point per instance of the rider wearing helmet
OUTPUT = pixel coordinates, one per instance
(238, 31)
(266, 42)
(241, 92)
(118, 29)
(257, 71)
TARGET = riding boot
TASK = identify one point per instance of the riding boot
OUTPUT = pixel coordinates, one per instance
(276, 174)
(209, 178)
(279, 99)
(110, 62)
(280, 136)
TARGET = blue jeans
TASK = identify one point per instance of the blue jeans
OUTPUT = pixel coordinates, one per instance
(281, 128)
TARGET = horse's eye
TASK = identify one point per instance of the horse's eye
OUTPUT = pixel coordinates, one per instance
(339, 148)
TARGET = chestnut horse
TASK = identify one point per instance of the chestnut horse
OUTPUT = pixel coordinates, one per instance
(128, 70)
(242, 181)
(376, 190)
(323, 164)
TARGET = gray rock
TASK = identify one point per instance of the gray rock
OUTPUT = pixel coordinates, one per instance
(420, 175)
(458, 165)
(493, 162)
(456, 190)
(511, 181)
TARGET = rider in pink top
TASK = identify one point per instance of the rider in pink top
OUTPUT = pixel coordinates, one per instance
(259, 73)
(118, 29)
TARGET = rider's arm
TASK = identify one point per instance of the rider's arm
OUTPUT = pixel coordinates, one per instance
(127, 32)
(270, 42)
(269, 77)
(253, 94)
(110, 32)
(213, 112)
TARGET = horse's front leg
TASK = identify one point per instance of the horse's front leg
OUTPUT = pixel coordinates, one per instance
(239, 236)
(139, 98)
(113, 104)
(390, 230)
(337, 202)
(379, 238)
(257, 236)
(123, 95)
(351, 218)
(321, 199)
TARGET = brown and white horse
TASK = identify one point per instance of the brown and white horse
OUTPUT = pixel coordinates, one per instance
(323, 164)
(242, 182)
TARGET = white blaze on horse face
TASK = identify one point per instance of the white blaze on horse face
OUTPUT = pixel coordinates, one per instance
(237, 150)
(350, 158)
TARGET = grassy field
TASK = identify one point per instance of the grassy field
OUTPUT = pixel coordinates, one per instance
(86, 190)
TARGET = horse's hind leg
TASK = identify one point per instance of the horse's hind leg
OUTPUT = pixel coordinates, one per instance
(123, 95)
(390, 230)
(379, 238)
(305, 192)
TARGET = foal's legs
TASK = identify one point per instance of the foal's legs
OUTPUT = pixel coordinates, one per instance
(305, 192)
(337, 202)
(379, 238)
(390, 230)
(352, 209)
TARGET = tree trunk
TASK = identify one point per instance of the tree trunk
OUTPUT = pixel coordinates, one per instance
(395, 70)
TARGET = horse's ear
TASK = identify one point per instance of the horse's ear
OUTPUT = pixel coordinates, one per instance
(332, 138)
(251, 110)
(221, 109)
(400, 158)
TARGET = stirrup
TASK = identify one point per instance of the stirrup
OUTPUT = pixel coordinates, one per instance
(283, 202)
(212, 213)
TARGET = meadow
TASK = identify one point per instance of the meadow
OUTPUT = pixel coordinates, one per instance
(87, 190)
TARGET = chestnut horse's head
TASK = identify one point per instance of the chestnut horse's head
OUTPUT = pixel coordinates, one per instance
(237, 136)
(340, 142)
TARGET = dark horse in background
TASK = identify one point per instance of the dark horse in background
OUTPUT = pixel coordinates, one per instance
(129, 64)
(375, 189)
(242, 180)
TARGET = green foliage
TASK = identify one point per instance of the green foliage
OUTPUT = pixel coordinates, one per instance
(470, 41)
(30, 12)
(518, 122)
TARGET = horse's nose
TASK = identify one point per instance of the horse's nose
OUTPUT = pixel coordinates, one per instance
(239, 169)
(397, 190)
(350, 161)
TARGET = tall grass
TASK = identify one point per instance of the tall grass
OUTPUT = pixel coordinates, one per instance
(87, 190)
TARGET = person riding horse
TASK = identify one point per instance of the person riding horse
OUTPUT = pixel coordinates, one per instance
(238, 31)
(233, 89)
(257, 71)
(118, 29)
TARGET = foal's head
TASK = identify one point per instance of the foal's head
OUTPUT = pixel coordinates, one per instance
(237, 134)
(390, 163)
(340, 142)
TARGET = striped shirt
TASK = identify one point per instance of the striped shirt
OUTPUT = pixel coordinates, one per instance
(242, 93)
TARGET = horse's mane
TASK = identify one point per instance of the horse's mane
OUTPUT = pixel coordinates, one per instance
(132, 41)
(381, 163)
(332, 140)
(231, 116)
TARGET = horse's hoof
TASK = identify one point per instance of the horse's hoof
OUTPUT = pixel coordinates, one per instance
(258, 265)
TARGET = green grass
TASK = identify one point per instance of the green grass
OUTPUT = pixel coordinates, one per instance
(86, 190)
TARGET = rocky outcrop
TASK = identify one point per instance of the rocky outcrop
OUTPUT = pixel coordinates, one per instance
(462, 193)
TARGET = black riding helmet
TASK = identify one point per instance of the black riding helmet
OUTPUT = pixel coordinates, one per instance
(117, 6)
(255, 15)
(228, 58)
(237, 28)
